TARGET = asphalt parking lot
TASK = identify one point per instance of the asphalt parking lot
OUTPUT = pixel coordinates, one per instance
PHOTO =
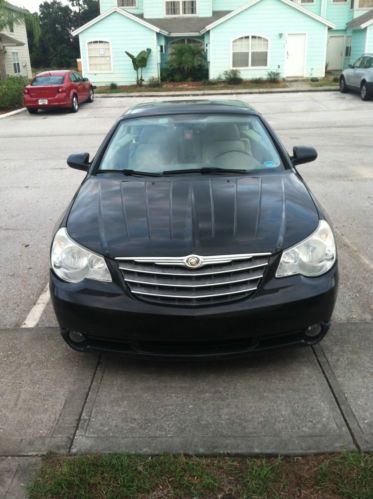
(291, 401)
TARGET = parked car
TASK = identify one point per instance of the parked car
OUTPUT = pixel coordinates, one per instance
(193, 235)
(57, 89)
(358, 77)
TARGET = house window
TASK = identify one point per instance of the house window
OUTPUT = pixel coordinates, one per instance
(11, 27)
(306, 1)
(339, 1)
(181, 7)
(250, 52)
(365, 4)
(126, 3)
(99, 57)
(348, 46)
(16, 64)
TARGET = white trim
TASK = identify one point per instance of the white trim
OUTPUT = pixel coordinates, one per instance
(111, 55)
(12, 113)
(366, 25)
(122, 12)
(305, 52)
(340, 2)
(290, 3)
(310, 3)
(251, 67)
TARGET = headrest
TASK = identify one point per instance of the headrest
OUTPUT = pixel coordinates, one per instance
(153, 134)
(217, 133)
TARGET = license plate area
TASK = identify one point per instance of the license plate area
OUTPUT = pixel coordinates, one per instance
(43, 102)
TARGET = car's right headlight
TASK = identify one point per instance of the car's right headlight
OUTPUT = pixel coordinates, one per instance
(73, 263)
(311, 257)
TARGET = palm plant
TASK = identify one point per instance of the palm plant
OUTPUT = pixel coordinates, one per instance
(139, 62)
(9, 16)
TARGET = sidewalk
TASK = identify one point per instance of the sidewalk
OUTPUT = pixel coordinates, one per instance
(294, 87)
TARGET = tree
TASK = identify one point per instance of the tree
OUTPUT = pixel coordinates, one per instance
(187, 62)
(84, 11)
(9, 16)
(139, 62)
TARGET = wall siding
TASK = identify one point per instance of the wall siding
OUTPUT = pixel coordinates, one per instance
(227, 4)
(339, 14)
(283, 19)
(19, 34)
(314, 7)
(124, 35)
(358, 44)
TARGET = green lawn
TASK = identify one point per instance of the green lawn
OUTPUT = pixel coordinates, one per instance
(130, 476)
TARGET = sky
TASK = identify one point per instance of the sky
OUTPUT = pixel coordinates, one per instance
(31, 5)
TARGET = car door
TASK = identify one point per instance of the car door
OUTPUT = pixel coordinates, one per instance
(84, 86)
(357, 72)
(351, 73)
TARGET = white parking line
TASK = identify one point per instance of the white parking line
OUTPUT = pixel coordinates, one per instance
(37, 310)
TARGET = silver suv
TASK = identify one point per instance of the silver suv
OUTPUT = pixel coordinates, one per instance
(359, 77)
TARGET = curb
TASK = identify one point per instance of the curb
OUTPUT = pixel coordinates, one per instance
(12, 113)
(219, 92)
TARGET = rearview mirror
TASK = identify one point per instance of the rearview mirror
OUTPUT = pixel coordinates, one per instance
(79, 161)
(302, 154)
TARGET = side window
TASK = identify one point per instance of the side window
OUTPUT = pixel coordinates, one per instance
(73, 77)
(367, 62)
(358, 62)
(78, 77)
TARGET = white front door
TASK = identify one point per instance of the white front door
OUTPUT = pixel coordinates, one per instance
(336, 52)
(295, 54)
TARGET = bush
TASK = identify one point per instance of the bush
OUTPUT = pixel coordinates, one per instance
(154, 82)
(257, 81)
(273, 76)
(187, 63)
(233, 77)
(11, 92)
(113, 86)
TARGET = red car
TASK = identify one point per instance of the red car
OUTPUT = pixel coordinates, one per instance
(57, 89)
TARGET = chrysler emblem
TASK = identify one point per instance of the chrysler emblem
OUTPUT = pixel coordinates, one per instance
(193, 261)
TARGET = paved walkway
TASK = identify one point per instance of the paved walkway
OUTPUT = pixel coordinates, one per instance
(294, 401)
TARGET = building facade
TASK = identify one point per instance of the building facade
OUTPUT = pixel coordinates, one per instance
(298, 39)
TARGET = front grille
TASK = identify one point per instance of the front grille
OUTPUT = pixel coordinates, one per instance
(217, 279)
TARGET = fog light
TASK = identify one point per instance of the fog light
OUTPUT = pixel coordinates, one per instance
(76, 337)
(313, 331)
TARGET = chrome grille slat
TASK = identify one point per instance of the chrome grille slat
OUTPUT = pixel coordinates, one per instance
(216, 280)
(193, 296)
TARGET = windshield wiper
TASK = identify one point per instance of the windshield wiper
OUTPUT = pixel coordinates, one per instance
(132, 173)
(203, 171)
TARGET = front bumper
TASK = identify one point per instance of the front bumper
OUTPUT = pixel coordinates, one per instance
(111, 319)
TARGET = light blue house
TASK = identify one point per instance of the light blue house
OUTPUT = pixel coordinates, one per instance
(295, 38)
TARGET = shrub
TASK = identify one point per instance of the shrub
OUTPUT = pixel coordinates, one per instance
(233, 77)
(273, 76)
(11, 92)
(154, 82)
(113, 86)
(187, 63)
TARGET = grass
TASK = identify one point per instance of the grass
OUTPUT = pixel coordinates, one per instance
(117, 476)
(190, 86)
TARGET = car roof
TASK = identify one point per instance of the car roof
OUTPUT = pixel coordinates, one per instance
(57, 72)
(190, 107)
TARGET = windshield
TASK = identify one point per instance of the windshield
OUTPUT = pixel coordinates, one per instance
(190, 143)
(47, 80)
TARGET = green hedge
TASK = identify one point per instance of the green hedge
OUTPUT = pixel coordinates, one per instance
(11, 92)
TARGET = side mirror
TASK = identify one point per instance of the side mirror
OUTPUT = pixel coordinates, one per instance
(302, 154)
(79, 161)
(351, 66)
(85, 79)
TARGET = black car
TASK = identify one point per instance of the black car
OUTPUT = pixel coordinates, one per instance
(193, 235)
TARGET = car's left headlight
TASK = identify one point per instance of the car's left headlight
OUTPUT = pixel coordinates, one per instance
(312, 257)
(73, 263)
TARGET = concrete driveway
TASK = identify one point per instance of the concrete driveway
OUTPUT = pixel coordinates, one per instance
(291, 401)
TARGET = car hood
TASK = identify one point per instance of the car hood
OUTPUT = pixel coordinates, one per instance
(180, 216)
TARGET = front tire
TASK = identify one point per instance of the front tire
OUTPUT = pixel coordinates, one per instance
(91, 97)
(32, 110)
(74, 104)
(342, 85)
(364, 92)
